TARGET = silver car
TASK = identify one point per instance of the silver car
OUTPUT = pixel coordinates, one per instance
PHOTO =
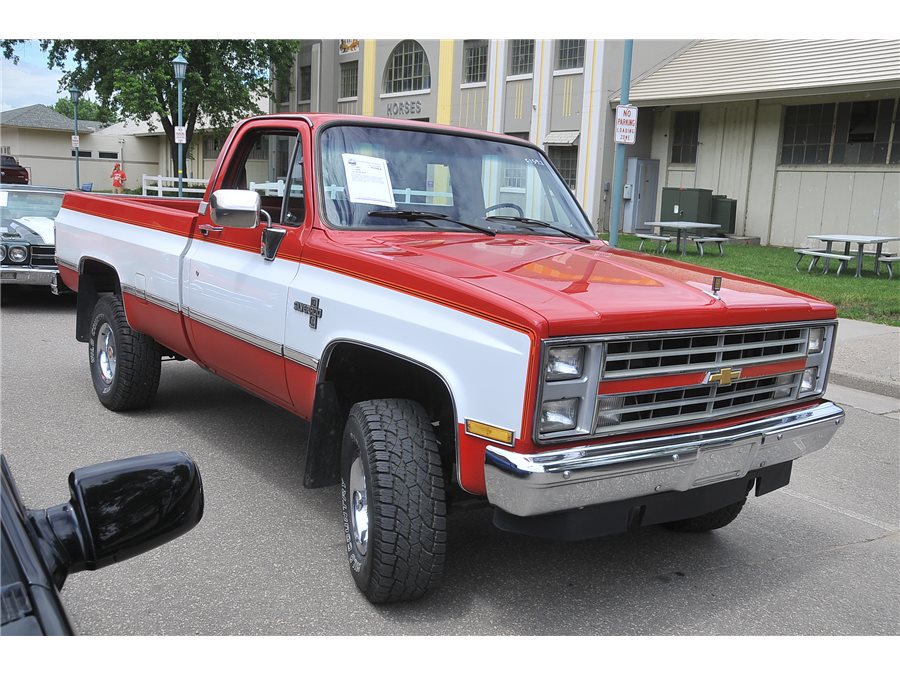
(27, 235)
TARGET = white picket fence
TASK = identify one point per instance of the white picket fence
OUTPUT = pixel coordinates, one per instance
(167, 186)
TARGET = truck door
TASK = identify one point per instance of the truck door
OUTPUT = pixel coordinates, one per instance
(235, 299)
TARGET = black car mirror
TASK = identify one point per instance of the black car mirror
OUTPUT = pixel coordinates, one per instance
(121, 509)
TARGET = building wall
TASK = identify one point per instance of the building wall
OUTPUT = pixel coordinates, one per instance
(537, 104)
(738, 155)
(48, 156)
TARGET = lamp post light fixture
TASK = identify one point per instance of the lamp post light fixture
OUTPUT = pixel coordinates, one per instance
(75, 94)
(180, 64)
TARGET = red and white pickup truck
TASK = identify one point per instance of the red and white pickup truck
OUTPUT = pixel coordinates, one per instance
(435, 302)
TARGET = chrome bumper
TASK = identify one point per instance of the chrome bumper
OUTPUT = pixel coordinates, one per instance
(558, 480)
(28, 276)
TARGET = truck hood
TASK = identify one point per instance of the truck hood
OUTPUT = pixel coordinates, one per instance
(587, 288)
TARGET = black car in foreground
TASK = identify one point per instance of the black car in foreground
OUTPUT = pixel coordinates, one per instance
(117, 510)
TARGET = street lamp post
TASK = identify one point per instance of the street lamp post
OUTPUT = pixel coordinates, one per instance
(75, 93)
(180, 64)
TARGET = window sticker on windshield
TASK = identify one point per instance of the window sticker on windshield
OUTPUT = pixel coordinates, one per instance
(3, 198)
(368, 180)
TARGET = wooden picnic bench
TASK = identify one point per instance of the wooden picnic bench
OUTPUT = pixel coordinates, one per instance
(815, 254)
(699, 240)
(662, 241)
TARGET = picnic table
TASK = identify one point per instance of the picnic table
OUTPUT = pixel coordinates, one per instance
(683, 228)
(861, 241)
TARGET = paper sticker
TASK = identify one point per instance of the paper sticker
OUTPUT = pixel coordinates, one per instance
(4, 195)
(368, 180)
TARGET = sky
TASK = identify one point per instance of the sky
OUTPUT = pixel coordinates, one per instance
(30, 81)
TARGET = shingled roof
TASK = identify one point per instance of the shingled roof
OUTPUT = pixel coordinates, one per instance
(44, 117)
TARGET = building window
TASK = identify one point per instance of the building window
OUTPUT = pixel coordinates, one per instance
(108, 155)
(349, 79)
(570, 54)
(521, 57)
(305, 87)
(565, 159)
(407, 69)
(685, 130)
(857, 132)
(211, 146)
(475, 58)
(82, 153)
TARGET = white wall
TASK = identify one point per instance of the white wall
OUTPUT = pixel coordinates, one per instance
(738, 156)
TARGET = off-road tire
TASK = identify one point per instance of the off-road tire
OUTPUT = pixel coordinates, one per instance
(708, 521)
(405, 504)
(135, 375)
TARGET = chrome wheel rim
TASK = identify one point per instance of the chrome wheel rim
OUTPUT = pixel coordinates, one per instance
(106, 353)
(359, 506)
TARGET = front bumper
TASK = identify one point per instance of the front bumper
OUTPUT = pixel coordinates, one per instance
(559, 480)
(29, 276)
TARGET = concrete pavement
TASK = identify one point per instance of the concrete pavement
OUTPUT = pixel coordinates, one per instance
(867, 358)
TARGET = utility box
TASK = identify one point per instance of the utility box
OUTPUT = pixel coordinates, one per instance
(724, 212)
(690, 204)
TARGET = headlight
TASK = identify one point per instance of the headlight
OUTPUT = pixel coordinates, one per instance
(559, 415)
(808, 383)
(2, 252)
(18, 254)
(565, 363)
(816, 340)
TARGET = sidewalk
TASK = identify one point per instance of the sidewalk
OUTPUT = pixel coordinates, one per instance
(867, 357)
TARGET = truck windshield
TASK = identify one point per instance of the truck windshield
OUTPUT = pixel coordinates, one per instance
(436, 180)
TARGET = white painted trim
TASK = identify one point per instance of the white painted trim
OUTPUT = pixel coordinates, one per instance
(417, 92)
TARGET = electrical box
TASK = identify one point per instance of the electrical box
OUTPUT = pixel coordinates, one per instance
(724, 213)
(626, 192)
(688, 204)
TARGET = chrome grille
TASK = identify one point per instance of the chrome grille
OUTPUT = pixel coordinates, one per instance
(663, 407)
(43, 256)
(649, 357)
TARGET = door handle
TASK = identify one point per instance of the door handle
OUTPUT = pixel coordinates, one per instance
(206, 229)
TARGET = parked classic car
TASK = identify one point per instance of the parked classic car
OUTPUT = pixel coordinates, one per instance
(28, 246)
(118, 510)
(12, 172)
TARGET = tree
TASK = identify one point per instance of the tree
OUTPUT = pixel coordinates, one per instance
(225, 78)
(87, 110)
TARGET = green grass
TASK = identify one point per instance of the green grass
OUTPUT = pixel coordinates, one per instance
(869, 298)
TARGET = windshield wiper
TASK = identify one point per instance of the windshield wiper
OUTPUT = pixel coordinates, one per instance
(541, 223)
(425, 216)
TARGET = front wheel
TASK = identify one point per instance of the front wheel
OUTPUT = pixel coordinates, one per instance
(393, 501)
(125, 365)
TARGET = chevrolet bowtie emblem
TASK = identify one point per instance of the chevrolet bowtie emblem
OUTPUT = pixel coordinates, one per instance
(725, 376)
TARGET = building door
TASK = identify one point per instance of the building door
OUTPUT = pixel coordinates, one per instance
(643, 176)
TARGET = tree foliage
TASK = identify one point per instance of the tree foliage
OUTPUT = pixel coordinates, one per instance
(87, 110)
(225, 78)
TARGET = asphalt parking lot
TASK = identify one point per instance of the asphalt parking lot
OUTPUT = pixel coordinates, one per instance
(819, 557)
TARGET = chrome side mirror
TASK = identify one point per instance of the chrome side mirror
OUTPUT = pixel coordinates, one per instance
(235, 208)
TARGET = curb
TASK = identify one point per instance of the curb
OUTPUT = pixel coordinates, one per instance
(868, 384)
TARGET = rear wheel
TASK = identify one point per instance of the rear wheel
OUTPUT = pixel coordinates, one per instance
(708, 521)
(393, 501)
(125, 364)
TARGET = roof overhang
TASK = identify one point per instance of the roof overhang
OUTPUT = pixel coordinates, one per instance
(712, 71)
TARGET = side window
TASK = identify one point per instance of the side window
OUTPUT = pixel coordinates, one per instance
(295, 204)
(261, 162)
